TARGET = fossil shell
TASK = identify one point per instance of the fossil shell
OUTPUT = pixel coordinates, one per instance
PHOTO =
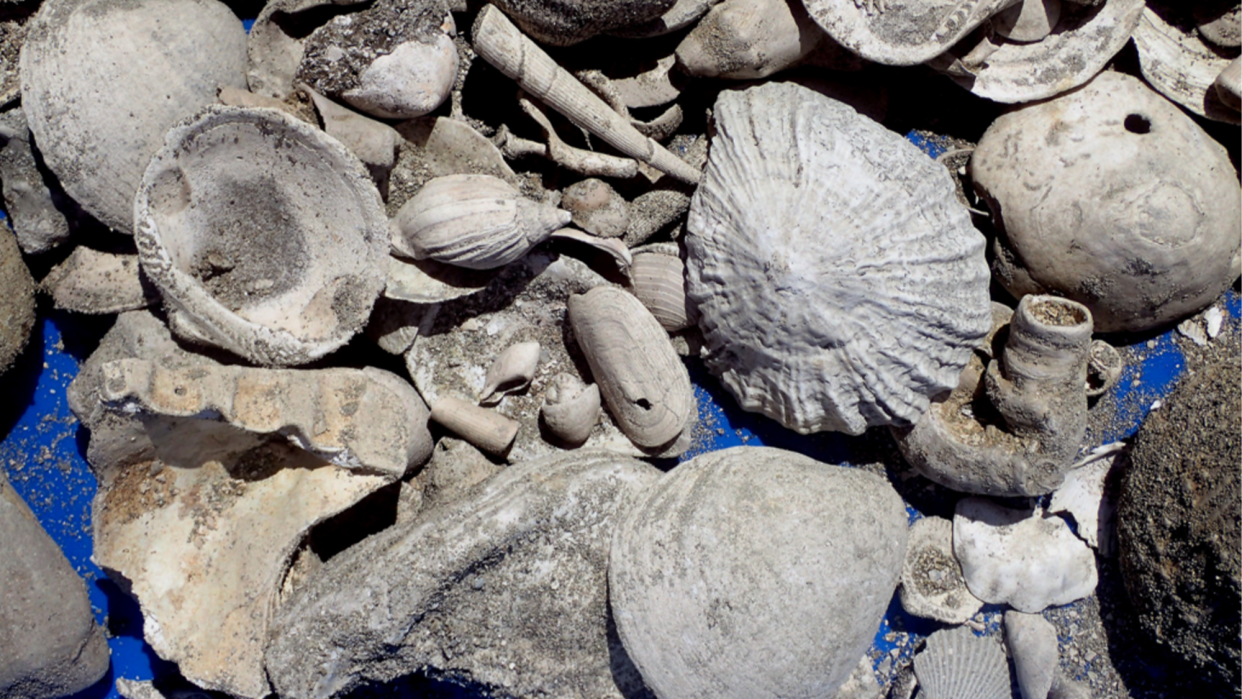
(658, 280)
(745, 39)
(1104, 366)
(643, 382)
(901, 33)
(957, 664)
(512, 370)
(597, 208)
(103, 80)
(277, 257)
(89, 281)
(682, 14)
(571, 408)
(1113, 197)
(485, 429)
(17, 309)
(374, 143)
(1033, 642)
(1229, 85)
(726, 574)
(1083, 42)
(1022, 558)
(1219, 21)
(1176, 61)
(931, 580)
(473, 221)
(1029, 20)
(838, 280)
(277, 41)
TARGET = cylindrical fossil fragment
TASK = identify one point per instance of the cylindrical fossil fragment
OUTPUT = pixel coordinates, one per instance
(485, 429)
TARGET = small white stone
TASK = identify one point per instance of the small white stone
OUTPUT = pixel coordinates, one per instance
(1214, 319)
(1083, 496)
(1191, 329)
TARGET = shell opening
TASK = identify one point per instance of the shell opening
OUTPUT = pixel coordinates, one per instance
(1137, 123)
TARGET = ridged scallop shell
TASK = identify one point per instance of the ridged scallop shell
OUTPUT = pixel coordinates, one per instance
(838, 281)
(957, 664)
(265, 235)
(103, 80)
(1177, 62)
(658, 279)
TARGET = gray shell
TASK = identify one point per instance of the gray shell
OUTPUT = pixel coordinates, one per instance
(277, 257)
(1181, 66)
(957, 664)
(838, 280)
(103, 80)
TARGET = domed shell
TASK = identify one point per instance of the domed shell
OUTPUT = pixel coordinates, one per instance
(264, 234)
(103, 80)
(838, 280)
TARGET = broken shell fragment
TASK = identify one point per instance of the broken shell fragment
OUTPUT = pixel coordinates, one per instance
(1219, 22)
(277, 41)
(570, 408)
(374, 143)
(830, 361)
(568, 23)
(485, 429)
(1176, 61)
(1032, 641)
(931, 579)
(1029, 20)
(511, 371)
(746, 39)
(365, 419)
(277, 256)
(1229, 84)
(89, 281)
(141, 67)
(1022, 558)
(597, 208)
(1104, 366)
(957, 664)
(643, 382)
(658, 279)
(473, 221)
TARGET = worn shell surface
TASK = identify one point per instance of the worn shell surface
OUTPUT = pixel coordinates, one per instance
(265, 235)
(103, 80)
(1032, 641)
(1179, 64)
(727, 574)
(658, 279)
(957, 664)
(838, 280)
(1112, 197)
(570, 408)
(931, 579)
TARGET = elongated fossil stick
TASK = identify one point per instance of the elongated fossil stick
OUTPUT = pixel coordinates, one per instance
(500, 43)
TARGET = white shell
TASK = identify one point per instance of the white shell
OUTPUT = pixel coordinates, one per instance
(571, 408)
(1033, 643)
(1182, 67)
(838, 280)
(1229, 85)
(1084, 495)
(277, 257)
(658, 280)
(1020, 557)
(512, 370)
(957, 664)
(103, 80)
(932, 585)
(744, 39)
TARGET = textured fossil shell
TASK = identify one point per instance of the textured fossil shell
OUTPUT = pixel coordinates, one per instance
(658, 279)
(473, 221)
(901, 33)
(1113, 197)
(931, 579)
(1179, 64)
(838, 280)
(277, 256)
(571, 408)
(644, 383)
(1033, 642)
(1085, 39)
(957, 664)
(277, 41)
(103, 80)
(1104, 367)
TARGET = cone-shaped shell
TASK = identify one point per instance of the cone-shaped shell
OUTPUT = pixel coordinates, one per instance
(473, 221)
(265, 235)
(957, 664)
(103, 80)
(838, 281)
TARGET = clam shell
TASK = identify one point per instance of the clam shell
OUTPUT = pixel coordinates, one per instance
(103, 80)
(277, 256)
(957, 664)
(659, 281)
(1176, 61)
(838, 280)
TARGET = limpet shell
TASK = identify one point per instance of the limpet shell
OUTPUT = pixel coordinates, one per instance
(277, 256)
(957, 664)
(1180, 65)
(103, 80)
(838, 280)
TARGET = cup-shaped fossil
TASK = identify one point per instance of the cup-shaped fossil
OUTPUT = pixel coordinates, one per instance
(265, 235)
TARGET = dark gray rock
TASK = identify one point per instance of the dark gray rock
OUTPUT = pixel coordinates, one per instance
(567, 23)
(504, 586)
(36, 205)
(50, 645)
(17, 302)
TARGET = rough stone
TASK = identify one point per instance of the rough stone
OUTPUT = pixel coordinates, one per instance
(17, 303)
(38, 209)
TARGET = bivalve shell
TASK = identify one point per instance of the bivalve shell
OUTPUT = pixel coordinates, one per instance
(838, 280)
(103, 80)
(1180, 65)
(1032, 641)
(957, 664)
(644, 383)
(265, 235)
(658, 279)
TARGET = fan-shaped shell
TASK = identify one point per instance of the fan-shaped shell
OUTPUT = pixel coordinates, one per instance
(838, 280)
(1180, 65)
(265, 235)
(103, 80)
(957, 664)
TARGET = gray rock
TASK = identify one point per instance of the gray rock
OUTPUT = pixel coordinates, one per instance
(755, 572)
(49, 641)
(504, 586)
(567, 23)
(36, 205)
(17, 303)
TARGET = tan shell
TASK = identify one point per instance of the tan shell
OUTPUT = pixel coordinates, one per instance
(957, 664)
(473, 221)
(1177, 62)
(428, 281)
(89, 281)
(643, 382)
(570, 408)
(103, 80)
(658, 279)
(484, 428)
(512, 370)
(746, 39)
(277, 257)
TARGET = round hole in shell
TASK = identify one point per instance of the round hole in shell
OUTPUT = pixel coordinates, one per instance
(1137, 123)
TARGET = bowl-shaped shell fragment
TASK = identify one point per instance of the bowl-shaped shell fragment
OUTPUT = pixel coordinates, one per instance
(103, 80)
(957, 664)
(265, 235)
(838, 280)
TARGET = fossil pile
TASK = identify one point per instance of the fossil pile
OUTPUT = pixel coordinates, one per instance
(409, 295)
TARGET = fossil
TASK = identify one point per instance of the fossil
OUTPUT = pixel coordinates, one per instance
(931, 580)
(957, 664)
(1032, 641)
(89, 281)
(482, 427)
(658, 279)
(38, 210)
(512, 370)
(570, 408)
(1177, 62)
